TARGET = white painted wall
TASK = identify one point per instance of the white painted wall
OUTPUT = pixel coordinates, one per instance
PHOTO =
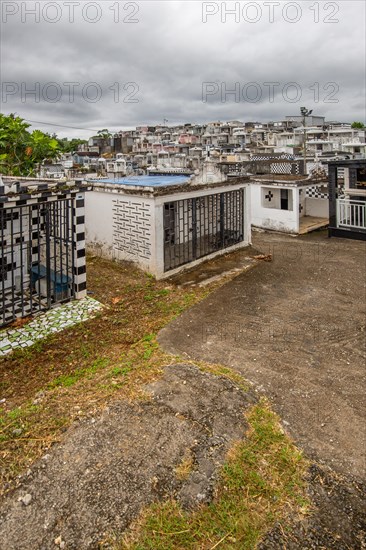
(99, 223)
(317, 207)
(114, 227)
(274, 218)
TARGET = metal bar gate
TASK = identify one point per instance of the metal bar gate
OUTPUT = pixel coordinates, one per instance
(198, 226)
(37, 258)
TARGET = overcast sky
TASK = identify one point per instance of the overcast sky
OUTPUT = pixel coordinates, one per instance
(120, 64)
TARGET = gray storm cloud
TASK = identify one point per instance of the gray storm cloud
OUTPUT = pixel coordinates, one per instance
(143, 62)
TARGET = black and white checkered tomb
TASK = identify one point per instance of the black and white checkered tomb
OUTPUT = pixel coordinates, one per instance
(30, 209)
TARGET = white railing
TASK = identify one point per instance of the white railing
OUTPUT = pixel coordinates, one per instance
(351, 214)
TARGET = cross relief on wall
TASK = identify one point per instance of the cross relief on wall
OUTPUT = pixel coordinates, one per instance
(269, 196)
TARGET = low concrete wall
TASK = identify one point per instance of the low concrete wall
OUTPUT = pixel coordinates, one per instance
(317, 207)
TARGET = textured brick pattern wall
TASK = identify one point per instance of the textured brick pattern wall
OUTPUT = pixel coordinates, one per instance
(132, 222)
(281, 168)
(285, 168)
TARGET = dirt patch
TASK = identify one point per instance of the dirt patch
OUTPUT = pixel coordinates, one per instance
(112, 466)
(224, 267)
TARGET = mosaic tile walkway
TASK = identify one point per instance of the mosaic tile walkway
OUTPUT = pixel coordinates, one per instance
(47, 323)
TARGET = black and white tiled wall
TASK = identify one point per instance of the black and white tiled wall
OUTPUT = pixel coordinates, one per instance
(23, 240)
(79, 244)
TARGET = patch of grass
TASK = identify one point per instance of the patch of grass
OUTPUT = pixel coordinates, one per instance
(23, 430)
(31, 351)
(67, 380)
(120, 371)
(15, 417)
(155, 295)
(221, 370)
(261, 482)
(185, 468)
(149, 345)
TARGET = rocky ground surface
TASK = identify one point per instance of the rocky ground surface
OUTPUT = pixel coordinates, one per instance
(295, 327)
(111, 467)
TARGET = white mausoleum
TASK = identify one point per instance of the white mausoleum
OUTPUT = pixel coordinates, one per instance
(290, 204)
(166, 224)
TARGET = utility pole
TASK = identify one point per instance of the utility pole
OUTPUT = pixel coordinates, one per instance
(305, 112)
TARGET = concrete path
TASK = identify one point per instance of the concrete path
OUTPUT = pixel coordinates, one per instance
(295, 328)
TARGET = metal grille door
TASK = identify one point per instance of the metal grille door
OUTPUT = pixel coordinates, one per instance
(196, 227)
(37, 259)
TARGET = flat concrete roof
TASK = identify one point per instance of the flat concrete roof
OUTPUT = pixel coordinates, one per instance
(348, 162)
(146, 181)
(158, 190)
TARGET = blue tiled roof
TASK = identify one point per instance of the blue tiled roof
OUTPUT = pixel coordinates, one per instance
(149, 181)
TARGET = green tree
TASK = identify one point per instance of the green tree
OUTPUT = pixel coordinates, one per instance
(22, 152)
(69, 146)
(358, 125)
(105, 133)
(42, 147)
(14, 140)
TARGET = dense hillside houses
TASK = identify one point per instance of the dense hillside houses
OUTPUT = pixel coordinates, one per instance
(181, 149)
